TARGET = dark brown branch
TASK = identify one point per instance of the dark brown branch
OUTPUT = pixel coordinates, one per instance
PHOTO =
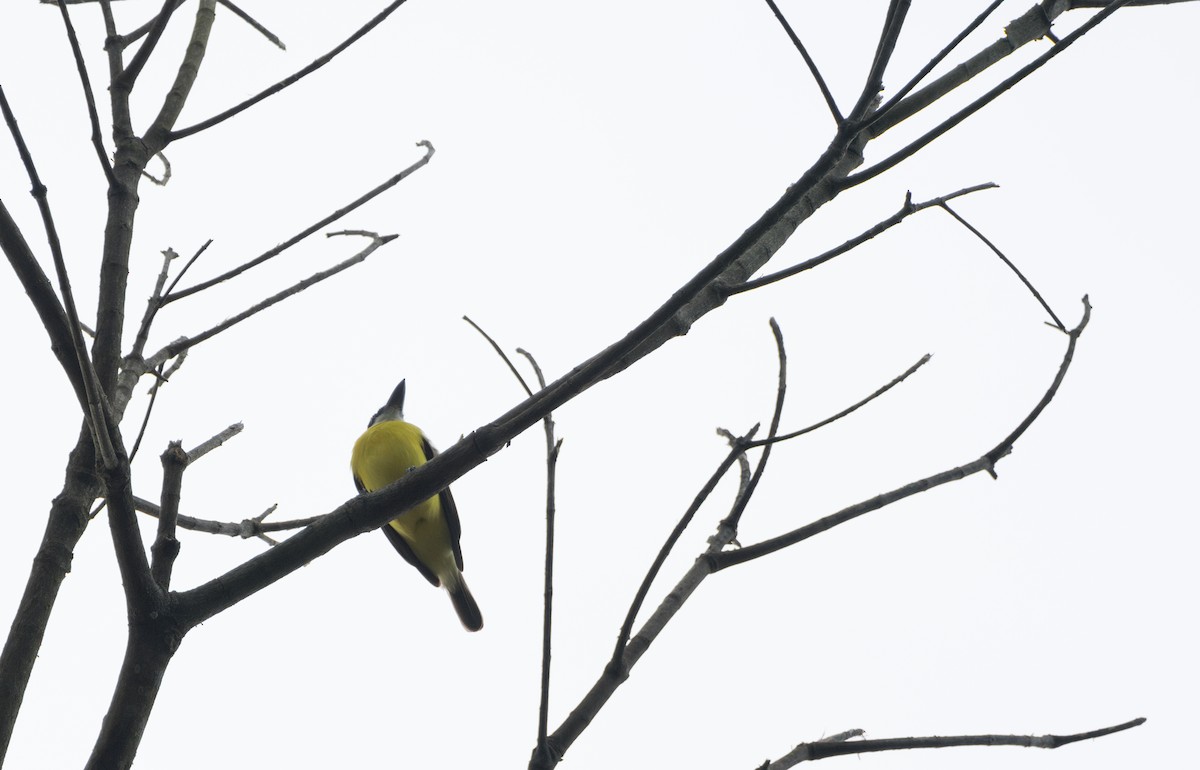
(807, 752)
(313, 67)
(917, 144)
(166, 547)
(986, 463)
(172, 295)
(909, 208)
(85, 81)
(1036, 295)
(186, 343)
(812, 65)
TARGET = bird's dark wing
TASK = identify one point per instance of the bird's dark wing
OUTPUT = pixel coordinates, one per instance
(449, 509)
(358, 484)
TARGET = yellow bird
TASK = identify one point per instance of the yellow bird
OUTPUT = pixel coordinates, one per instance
(426, 535)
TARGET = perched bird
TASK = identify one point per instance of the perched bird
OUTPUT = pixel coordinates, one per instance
(426, 535)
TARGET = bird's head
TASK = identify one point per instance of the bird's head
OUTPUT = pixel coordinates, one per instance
(393, 409)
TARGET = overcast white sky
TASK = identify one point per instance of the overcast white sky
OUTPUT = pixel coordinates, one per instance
(590, 158)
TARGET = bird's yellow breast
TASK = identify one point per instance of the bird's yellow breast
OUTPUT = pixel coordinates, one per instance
(385, 452)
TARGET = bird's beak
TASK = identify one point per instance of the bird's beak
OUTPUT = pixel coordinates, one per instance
(397, 398)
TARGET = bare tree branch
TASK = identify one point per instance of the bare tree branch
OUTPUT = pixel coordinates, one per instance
(912, 147)
(392, 182)
(244, 529)
(85, 81)
(986, 463)
(45, 302)
(313, 67)
(253, 23)
(95, 407)
(892, 25)
(157, 26)
(504, 357)
(203, 448)
(158, 135)
(1036, 295)
(932, 63)
(553, 447)
(812, 65)
(166, 546)
(186, 343)
(832, 747)
(795, 434)
(908, 209)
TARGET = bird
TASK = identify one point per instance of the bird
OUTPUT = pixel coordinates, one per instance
(427, 534)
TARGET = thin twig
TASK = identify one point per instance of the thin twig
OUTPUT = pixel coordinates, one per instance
(1057, 323)
(173, 295)
(794, 434)
(313, 67)
(553, 447)
(185, 343)
(137, 442)
(245, 529)
(153, 303)
(812, 65)
(504, 357)
(735, 516)
(85, 81)
(909, 208)
(806, 752)
(743, 461)
(251, 21)
(184, 270)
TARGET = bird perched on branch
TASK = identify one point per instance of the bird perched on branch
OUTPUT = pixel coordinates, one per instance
(427, 534)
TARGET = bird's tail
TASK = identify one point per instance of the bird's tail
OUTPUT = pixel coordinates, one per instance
(464, 603)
